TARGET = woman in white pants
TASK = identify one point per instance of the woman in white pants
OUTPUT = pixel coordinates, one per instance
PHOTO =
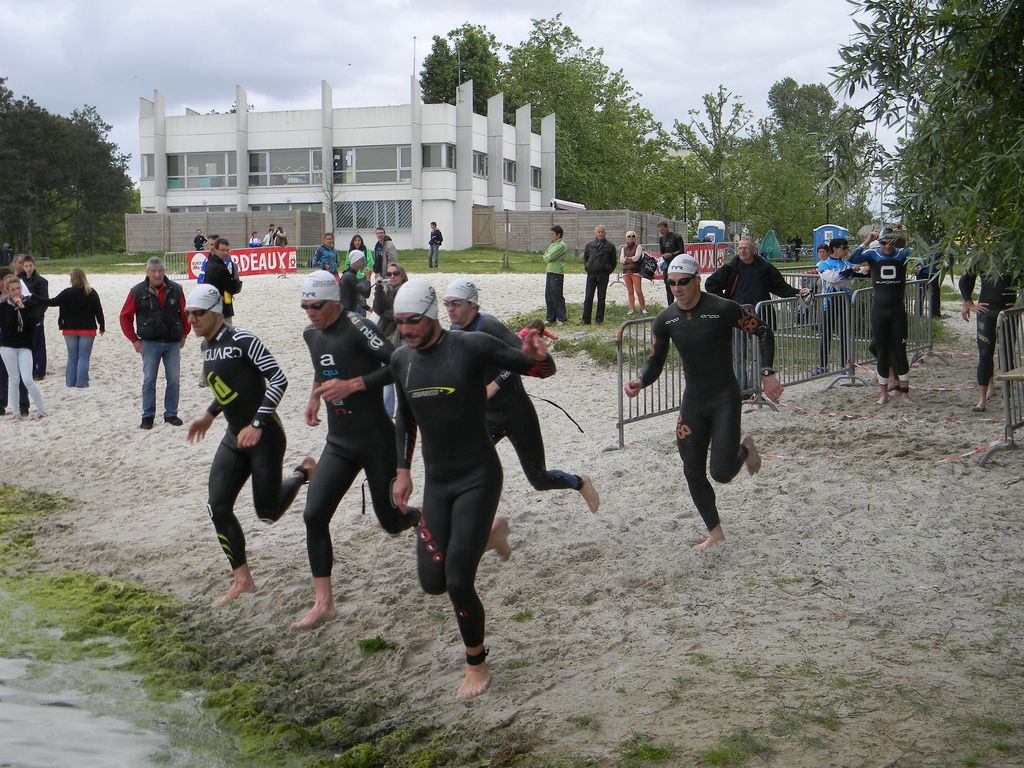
(18, 318)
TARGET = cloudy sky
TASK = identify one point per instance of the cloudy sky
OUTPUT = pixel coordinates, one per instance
(108, 53)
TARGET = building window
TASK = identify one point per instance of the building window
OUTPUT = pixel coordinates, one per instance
(147, 167)
(508, 171)
(373, 165)
(202, 209)
(202, 170)
(285, 167)
(367, 215)
(312, 207)
(480, 164)
(535, 177)
(439, 156)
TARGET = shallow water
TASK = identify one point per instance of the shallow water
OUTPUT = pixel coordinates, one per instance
(89, 715)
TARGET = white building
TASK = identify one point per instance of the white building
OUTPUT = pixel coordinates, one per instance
(397, 166)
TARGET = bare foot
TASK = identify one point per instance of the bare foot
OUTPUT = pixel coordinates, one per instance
(318, 614)
(715, 535)
(753, 460)
(236, 590)
(241, 582)
(980, 407)
(498, 540)
(883, 397)
(903, 397)
(476, 681)
(309, 465)
(589, 493)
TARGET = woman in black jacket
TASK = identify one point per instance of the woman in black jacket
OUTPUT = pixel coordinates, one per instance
(18, 319)
(80, 314)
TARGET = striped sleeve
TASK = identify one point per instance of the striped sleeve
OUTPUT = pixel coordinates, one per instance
(277, 383)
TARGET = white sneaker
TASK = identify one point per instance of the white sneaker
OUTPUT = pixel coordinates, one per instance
(630, 313)
(643, 311)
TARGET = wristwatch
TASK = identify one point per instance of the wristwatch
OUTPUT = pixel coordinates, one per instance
(767, 372)
(257, 423)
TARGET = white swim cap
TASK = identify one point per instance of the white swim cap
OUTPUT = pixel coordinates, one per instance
(417, 297)
(684, 264)
(462, 288)
(205, 297)
(356, 255)
(320, 286)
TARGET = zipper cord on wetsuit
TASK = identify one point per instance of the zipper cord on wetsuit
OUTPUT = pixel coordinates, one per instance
(552, 402)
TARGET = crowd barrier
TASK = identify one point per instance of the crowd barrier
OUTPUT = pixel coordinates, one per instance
(827, 337)
(1010, 349)
(176, 262)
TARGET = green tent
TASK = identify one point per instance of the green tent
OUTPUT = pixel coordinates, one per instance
(770, 247)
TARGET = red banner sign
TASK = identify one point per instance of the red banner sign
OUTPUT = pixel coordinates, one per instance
(710, 256)
(250, 261)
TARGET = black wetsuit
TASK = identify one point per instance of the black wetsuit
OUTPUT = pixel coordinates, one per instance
(246, 382)
(710, 411)
(510, 413)
(888, 309)
(442, 391)
(359, 433)
(999, 293)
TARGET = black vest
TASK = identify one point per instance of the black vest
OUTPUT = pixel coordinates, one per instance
(154, 322)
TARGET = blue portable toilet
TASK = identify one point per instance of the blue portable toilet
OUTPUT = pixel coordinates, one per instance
(711, 231)
(825, 233)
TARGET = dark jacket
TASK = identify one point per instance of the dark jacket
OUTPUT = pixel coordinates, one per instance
(17, 326)
(384, 308)
(224, 279)
(599, 257)
(39, 287)
(670, 245)
(79, 311)
(749, 284)
(436, 238)
(155, 321)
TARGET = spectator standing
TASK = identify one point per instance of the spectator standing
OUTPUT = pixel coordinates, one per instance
(22, 391)
(79, 316)
(836, 275)
(199, 241)
(749, 279)
(554, 267)
(6, 255)
(369, 268)
(930, 269)
(17, 321)
(153, 320)
(222, 274)
(599, 263)
(38, 287)
(436, 238)
(326, 258)
(254, 240)
(280, 238)
(270, 239)
(629, 257)
(384, 252)
(670, 245)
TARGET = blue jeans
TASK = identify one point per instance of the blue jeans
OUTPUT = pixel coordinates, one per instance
(76, 373)
(152, 353)
(432, 258)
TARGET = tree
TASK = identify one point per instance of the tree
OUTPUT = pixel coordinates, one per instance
(948, 72)
(714, 141)
(609, 147)
(471, 55)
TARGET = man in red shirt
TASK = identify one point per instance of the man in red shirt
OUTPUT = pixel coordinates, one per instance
(153, 319)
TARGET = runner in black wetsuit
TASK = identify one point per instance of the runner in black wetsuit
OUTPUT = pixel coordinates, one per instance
(510, 412)
(701, 327)
(247, 385)
(888, 310)
(350, 366)
(441, 381)
(996, 294)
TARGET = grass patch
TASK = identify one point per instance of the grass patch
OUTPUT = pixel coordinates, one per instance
(17, 508)
(378, 644)
(736, 749)
(641, 749)
(524, 615)
(586, 722)
(700, 660)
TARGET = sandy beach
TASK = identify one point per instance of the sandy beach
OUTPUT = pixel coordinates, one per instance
(866, 608)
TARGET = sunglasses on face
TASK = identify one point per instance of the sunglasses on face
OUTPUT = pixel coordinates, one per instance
(196, 313)
(411, 320)
(314, 305)
(454, 303)
(680, 281)
(393, 274)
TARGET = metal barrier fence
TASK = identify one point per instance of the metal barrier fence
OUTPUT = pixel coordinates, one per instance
(826, 338)
(177, 261)
(1010, 346)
